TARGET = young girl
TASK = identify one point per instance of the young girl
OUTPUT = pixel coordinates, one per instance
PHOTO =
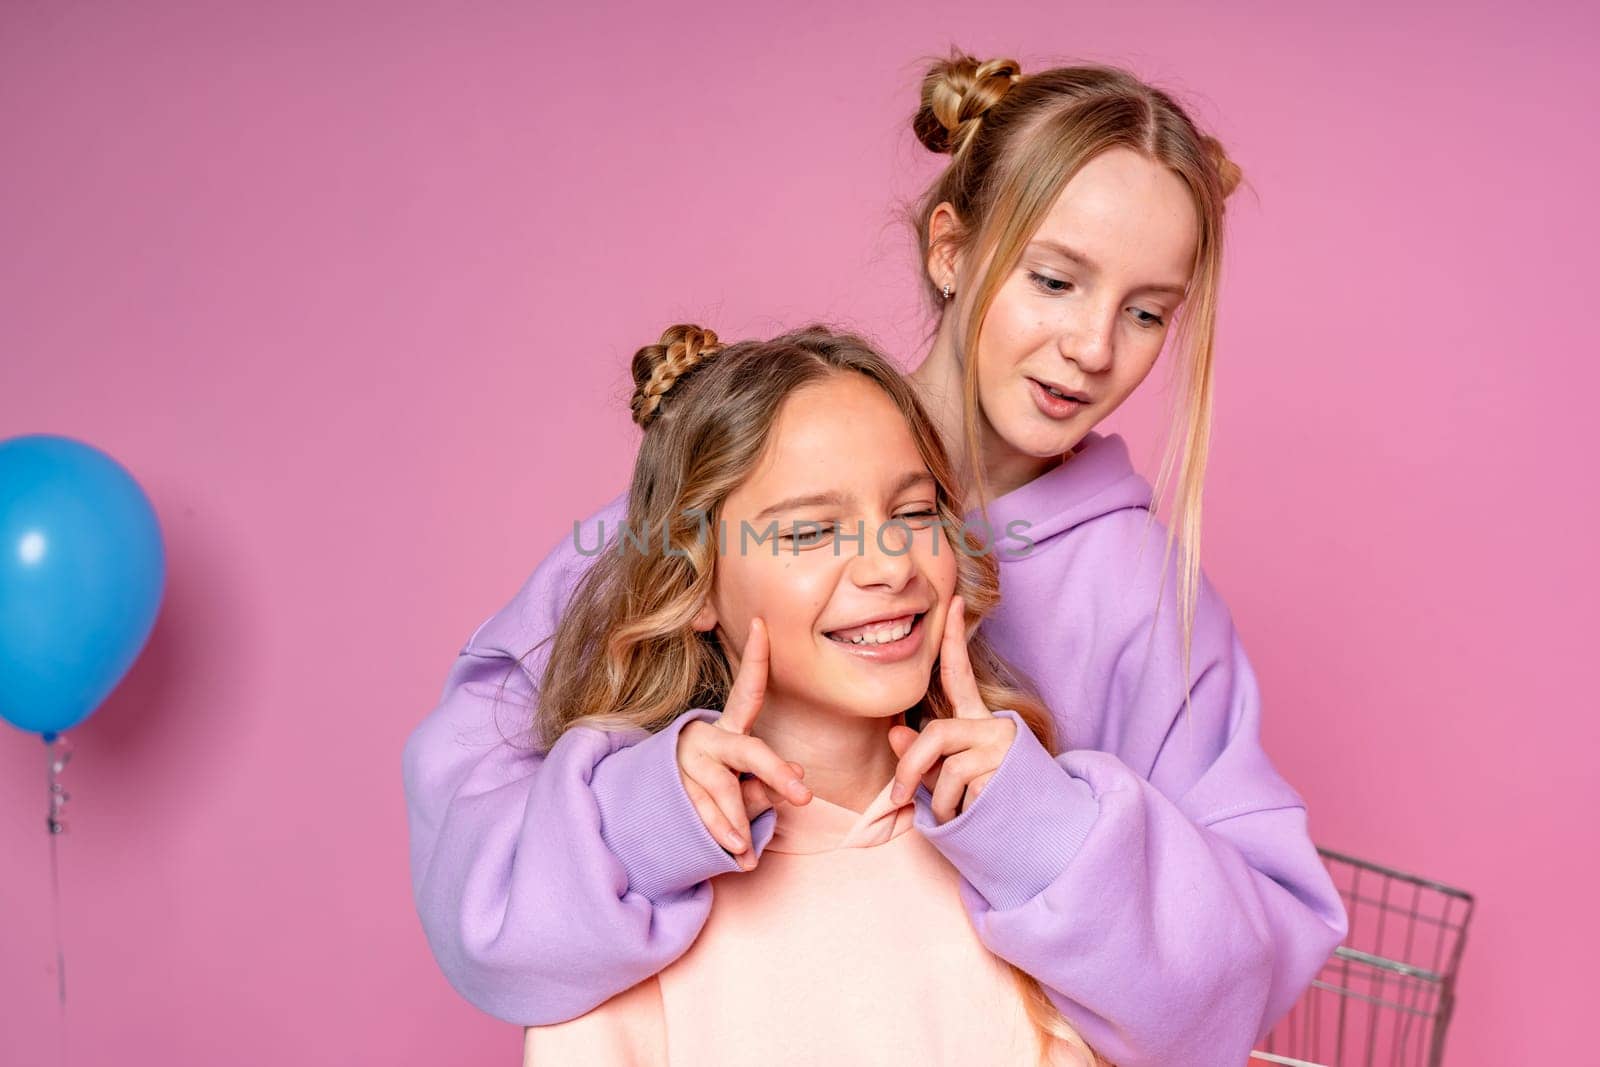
(1165, 891)
(880, 964)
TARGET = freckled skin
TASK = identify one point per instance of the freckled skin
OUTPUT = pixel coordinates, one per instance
(1085, 327)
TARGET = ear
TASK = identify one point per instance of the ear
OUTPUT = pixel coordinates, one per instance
(706, 618)
(943, 263)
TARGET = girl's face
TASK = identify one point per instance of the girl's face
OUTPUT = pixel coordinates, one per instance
(1088, 306)
(840, 459)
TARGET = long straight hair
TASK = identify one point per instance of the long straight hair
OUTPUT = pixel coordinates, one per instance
(1015, 142)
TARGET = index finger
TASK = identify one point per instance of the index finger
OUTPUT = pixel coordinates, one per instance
(749, 684)
(955, 668)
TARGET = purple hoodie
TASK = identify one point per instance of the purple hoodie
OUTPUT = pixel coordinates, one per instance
(1157, 877)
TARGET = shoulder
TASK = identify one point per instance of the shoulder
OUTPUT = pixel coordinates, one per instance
(1123, 566)
(531, 614)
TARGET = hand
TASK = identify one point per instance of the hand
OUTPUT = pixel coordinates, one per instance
(955, 757)
(711, 756)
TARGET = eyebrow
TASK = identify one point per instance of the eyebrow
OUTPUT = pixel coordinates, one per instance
(907, 480)
(1067, 252)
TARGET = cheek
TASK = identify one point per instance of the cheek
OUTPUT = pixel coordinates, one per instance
(937, 560)
(1012, 329)
(1138, 358)
(790, 591)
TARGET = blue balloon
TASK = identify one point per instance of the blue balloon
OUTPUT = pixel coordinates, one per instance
(82, 571)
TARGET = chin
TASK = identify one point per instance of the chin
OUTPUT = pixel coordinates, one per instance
(887, 701)
(1040, 442)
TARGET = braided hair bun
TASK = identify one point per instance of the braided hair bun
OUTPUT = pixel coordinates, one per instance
(658, 367)
(956, 94)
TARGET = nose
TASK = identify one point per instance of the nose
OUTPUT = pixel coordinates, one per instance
(885, 557)
(1089, 343)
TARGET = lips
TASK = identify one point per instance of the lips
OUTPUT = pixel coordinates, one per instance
(1060, 391)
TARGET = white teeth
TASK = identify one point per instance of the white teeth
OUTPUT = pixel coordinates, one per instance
(879, 635)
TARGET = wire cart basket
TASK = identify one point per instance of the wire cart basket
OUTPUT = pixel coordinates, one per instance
(1385, 996)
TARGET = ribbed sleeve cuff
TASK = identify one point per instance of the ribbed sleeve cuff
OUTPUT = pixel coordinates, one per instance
(650, 824)
(1024, 828)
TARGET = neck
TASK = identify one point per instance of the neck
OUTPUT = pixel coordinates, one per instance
(847, 758)
(938, 382)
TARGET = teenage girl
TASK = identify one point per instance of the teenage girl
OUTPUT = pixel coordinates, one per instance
(832, 641)
(1159, 879)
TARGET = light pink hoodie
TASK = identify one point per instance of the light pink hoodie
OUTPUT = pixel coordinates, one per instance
(848, 944)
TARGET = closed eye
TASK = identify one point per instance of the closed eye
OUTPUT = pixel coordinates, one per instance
(807, 534)
(1047, 283)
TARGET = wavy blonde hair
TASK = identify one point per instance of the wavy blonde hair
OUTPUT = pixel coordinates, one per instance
(625, 643)
(1015, 141)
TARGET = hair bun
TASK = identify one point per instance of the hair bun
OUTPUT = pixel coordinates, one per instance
(658, 367)
(956, 94)
(1228, 172)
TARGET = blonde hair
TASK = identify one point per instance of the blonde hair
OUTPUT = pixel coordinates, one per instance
(625, 642)
(1015, 142)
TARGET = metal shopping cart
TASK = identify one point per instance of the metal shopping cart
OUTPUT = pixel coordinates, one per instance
(1385, 996)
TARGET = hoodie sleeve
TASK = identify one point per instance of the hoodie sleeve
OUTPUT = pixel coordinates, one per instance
(1169, 923)
(549, 881)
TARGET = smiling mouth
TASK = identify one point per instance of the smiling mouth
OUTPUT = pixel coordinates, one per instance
(876, 634)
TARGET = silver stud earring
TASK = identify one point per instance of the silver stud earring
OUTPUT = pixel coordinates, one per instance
(948, 291)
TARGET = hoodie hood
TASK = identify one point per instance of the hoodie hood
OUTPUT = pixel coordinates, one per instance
(1097, 480)
(822, 826)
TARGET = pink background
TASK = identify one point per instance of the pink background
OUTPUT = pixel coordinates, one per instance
(350, 289)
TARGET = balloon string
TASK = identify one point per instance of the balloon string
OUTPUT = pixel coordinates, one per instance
(58, 755)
